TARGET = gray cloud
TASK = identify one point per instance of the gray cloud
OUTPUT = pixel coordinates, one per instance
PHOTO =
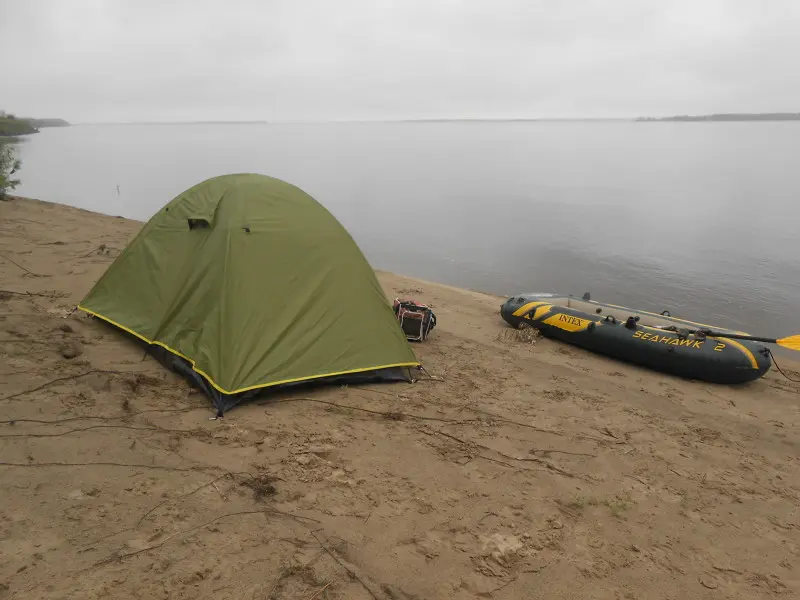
(98, 60)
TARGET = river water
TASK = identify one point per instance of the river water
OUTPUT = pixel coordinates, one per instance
(697, 218)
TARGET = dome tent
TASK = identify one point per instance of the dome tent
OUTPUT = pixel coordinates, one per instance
(245, 282)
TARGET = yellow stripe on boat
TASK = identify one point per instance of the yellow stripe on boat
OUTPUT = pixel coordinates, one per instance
(526, 307)
(568, 322)
(739, 346)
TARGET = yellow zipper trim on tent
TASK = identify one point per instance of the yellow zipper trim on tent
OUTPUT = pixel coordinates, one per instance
(245, 389)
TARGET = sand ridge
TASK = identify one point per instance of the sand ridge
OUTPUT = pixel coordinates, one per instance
(534, 470)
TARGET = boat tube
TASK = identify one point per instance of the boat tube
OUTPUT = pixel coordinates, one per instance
(657, 341)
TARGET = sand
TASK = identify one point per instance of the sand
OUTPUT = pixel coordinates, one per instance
(534, 470)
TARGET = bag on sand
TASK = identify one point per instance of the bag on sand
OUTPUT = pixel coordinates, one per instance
(416, 320)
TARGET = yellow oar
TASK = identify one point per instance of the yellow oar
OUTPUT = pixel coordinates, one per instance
(792, 342)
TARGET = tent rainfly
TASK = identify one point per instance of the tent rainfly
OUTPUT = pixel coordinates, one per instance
(245, 282)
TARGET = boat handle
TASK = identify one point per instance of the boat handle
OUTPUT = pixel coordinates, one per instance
(665, 313)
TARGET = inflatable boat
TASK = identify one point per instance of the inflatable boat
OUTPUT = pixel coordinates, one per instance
(657, 341)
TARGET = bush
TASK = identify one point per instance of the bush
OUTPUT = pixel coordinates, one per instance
(9, 164)
(10, 126)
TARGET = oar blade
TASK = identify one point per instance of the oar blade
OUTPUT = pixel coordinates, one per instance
(792, 342)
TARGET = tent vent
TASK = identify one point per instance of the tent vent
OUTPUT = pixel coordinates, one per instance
(198, 224)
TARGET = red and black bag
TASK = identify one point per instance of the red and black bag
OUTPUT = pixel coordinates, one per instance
(416, 320)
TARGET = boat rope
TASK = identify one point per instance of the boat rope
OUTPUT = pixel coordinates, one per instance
(775, 362)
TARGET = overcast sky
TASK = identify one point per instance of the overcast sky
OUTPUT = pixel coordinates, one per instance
(120, 60)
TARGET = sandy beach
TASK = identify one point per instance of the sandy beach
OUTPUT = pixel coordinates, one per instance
(533, 470)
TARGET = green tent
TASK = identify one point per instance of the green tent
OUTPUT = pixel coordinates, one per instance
(246, 282)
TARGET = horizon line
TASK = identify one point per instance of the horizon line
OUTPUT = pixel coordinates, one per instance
(322, 121)
(428, 119)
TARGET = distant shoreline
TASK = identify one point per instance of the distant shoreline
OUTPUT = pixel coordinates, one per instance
(360, 121)
(725, 117)
(13, 127)
(722, 117)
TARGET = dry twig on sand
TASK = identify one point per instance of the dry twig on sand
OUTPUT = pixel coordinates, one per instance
(549, 465)
(93, 418)
(527, 335)
(26, 293)
(120, 557)
(350, 570)
(391, 415)
(4, 257)
(106, 464)
(186, 495)
(320, 590)
(95, 427)
(67, 378)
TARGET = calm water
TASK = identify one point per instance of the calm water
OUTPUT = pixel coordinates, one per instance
(697, 218)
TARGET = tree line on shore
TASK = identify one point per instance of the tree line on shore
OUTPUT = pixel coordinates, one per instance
(9, 164)
(11, 126)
